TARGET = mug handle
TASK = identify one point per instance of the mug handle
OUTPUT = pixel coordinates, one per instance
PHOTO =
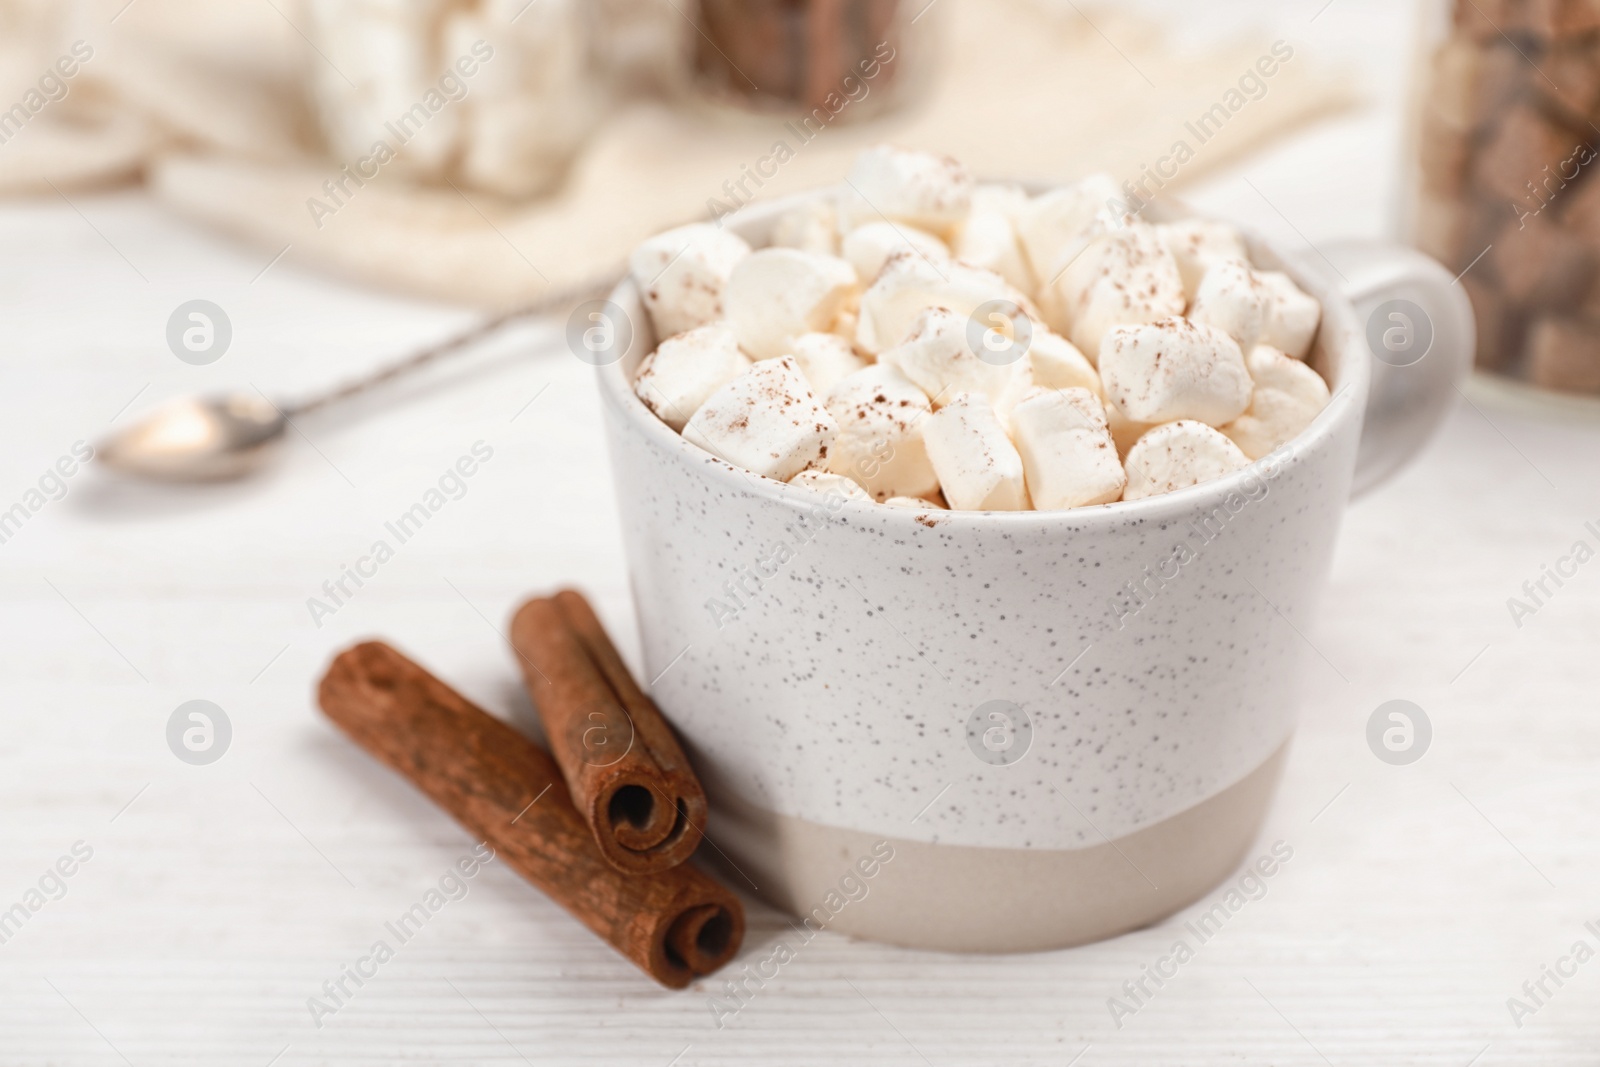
(1421, 338)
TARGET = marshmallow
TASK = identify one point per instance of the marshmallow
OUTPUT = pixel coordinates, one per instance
(777, 294)
(1288, 396)
(936, 356)
(683, 273)
(1292, 316)
(1052, 225)
(389, 57)
(869, 247)
(1200, 244)
(846, 325)
(1235, 300)
(875, 376)
(929, 191)
(813, 226)
(1009, 201)
(978, 467)
(1068, 456)
(519, 144)
(1057, 363)
(824, 358)
(514, 134)
(1178, 455)
(1124, 431)
(1123, 275)
(922, 503)
(1271, 368)
(824, 482)
(767, 421)
(1175, 369)
(909, 285)
(676, 378)
(881, 415)
(988, 238)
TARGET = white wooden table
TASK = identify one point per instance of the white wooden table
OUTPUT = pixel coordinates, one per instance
(219, 898)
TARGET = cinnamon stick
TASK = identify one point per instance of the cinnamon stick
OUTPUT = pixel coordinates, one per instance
(627, 774)
(675, 925)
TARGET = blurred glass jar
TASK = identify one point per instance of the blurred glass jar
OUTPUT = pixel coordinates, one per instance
(496, 95)
(1508, 179)
(822, 58)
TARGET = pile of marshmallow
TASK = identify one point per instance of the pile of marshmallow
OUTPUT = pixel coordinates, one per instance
(921, 340)
(493, 94)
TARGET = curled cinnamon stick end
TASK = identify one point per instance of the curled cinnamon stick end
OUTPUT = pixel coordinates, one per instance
(676, 925)
(628, 775)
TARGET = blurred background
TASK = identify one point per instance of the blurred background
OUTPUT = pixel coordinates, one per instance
(478, 151)
(343, 181)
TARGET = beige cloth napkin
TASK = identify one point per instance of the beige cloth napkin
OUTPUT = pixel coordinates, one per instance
(208, 103)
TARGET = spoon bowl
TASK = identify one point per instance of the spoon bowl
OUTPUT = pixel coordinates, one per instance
(194, 439)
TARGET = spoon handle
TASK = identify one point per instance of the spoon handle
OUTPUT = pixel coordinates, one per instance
(552, 301)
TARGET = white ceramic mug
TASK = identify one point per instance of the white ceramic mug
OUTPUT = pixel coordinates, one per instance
(1006, 731)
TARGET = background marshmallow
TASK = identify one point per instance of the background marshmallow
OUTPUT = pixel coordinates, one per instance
(1197, 245)
(1057, 363)
(1123, 275)
(777, 294)
(881, 415)
(915, 502)
(978, 467)
(1068, 457)
(1178, 455)
(1175, 369)
(824, 359)
(1287, 398)
(767, 421)
(1234, 299)
(1052, 226)
(1273, 369)
(909, 285)
(813, 226)
(823, 482)
(927, 190)
(1009, 201)
(678, 376)
(1124, 431)
(988, 238)
(937, 356)
(683, 273)
(1292, 316)
(868, 247)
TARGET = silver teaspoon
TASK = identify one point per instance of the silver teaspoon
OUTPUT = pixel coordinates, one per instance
(212, 438)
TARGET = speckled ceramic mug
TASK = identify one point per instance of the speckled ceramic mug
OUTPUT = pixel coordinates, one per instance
(1033, 729)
